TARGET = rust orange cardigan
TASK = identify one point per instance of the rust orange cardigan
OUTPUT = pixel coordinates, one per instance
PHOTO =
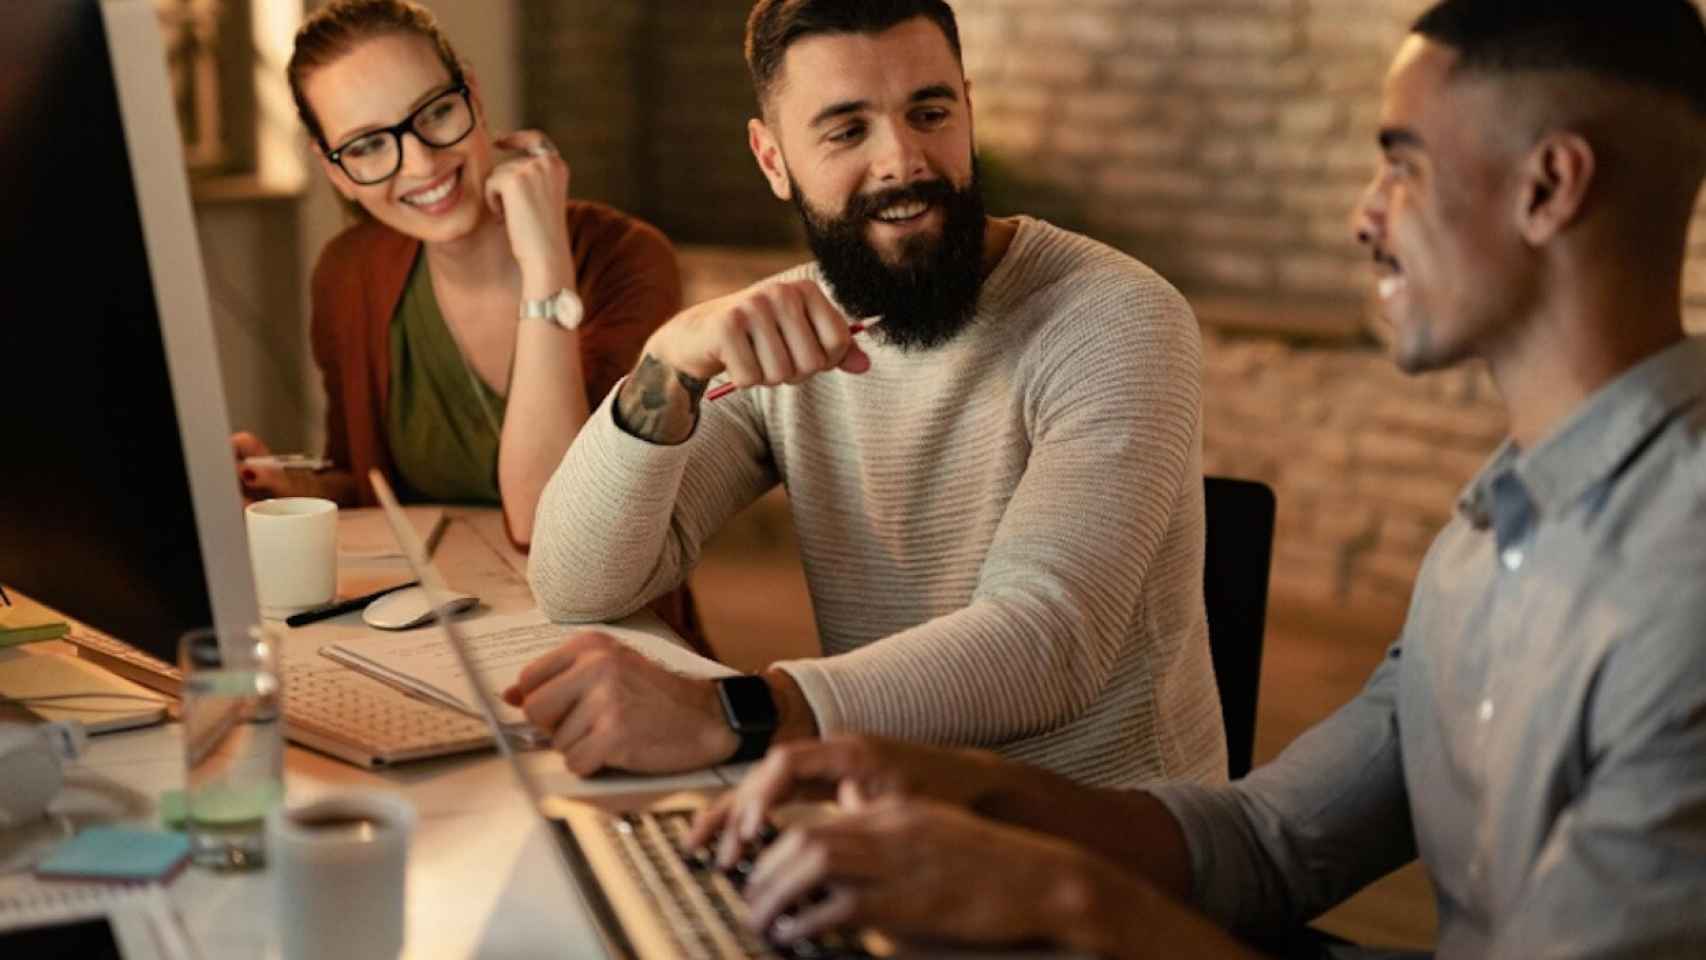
(626, 275)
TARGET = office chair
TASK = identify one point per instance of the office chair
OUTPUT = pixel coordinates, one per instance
(1239, 517)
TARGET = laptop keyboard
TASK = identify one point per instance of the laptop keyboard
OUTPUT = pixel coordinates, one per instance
(700, 904)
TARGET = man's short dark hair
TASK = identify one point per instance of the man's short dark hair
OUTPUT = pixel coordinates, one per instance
(776, 25)
(1654, 43)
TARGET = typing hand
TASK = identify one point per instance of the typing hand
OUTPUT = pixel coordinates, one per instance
(605, 705)
(914, 869)
(854, 770)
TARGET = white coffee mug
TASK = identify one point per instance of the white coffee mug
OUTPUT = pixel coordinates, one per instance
(338, 866)
(30, 773)
(293, 542)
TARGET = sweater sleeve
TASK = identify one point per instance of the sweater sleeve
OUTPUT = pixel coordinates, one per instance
(1113, 395)
(1300, 834)
(623, 520)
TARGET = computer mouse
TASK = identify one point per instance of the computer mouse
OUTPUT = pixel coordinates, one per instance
(409, 607)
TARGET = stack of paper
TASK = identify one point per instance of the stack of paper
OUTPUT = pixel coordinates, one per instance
(56, 686)
(365, 538)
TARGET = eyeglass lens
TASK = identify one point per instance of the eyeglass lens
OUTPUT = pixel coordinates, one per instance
(442, 122)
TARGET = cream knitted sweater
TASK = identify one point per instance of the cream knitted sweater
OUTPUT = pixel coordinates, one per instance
(1002, 537)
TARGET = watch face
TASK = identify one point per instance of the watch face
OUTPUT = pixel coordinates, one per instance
(568, 310)
(747, 703)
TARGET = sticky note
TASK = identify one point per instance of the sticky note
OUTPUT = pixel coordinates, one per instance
(117, 853)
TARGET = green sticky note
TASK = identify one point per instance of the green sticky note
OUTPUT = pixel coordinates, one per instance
(14, 636)
(22, 620)
(117, 853)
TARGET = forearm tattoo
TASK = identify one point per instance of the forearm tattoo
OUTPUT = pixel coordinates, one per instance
(659, 403)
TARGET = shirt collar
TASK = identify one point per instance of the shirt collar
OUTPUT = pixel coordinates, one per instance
(1599, 437)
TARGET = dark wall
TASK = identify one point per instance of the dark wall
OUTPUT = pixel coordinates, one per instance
(649, 101)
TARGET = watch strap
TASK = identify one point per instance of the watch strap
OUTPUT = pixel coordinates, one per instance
(753, 745)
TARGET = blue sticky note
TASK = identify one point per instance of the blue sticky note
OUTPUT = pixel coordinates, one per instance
(117, 853)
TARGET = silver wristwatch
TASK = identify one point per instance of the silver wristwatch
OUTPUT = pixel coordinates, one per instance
(563, 308)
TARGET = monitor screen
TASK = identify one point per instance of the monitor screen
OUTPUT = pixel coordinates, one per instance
(99, 516)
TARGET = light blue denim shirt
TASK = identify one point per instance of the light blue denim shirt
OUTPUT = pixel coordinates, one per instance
(1538, 732)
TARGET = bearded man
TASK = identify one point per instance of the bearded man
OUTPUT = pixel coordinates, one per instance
(989, 430)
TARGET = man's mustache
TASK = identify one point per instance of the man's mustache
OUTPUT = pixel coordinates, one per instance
(866, 205)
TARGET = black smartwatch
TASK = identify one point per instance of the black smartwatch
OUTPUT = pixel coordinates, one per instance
(751, 712)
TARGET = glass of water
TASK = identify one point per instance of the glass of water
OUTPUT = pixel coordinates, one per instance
(233, 743)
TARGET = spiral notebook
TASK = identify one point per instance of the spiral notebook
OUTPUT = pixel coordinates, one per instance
(421, 664)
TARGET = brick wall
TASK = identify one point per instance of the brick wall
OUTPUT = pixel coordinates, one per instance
(1365, 461)
(1221, 141)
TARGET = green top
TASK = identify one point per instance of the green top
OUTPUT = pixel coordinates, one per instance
(442, 440)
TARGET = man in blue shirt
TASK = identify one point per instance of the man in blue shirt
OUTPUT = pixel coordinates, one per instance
(1537, 734)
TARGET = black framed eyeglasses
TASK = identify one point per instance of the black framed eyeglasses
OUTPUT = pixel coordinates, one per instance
(377, 155)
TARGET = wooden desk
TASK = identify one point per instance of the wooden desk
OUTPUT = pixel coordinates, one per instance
(483, 878)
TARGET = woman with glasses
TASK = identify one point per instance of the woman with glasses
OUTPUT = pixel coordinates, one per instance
(474, 315)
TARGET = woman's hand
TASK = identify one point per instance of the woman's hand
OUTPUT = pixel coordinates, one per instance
(264, 482)
(527, 192)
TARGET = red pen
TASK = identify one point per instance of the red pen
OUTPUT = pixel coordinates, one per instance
(724, 389)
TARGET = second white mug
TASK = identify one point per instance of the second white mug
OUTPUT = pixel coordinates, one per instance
(338, 866)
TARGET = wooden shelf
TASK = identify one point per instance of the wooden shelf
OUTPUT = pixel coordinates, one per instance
(244, 188)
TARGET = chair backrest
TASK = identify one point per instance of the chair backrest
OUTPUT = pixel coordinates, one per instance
(1239, 516)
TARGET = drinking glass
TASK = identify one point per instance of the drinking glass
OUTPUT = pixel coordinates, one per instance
(233, 743)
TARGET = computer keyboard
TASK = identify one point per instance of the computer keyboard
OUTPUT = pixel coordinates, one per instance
(343, 713)
(334, 710)
(700, 905)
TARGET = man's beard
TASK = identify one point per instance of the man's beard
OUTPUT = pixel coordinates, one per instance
(927, 298)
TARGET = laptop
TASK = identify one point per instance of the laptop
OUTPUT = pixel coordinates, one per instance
(650, 898)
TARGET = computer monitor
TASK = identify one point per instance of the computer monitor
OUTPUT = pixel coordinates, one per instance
(118, 496)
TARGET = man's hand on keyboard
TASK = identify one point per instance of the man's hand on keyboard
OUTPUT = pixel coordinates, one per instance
(605, 705)
(852, 769)
(923, 870)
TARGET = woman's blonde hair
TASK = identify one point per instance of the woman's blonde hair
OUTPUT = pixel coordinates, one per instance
(342, 25)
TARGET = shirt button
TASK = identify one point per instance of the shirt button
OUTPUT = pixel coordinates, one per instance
(1512, 558)
(1486, 711)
